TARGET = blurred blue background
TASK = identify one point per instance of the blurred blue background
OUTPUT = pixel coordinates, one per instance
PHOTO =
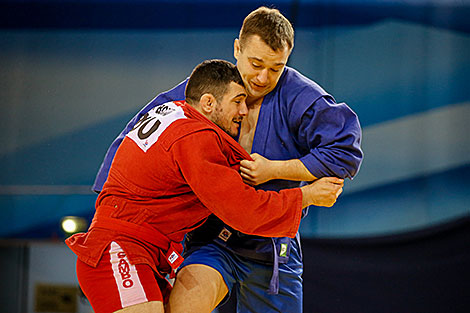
(72, 73)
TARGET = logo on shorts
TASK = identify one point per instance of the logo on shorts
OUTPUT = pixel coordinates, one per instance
(172, 258)
(124, 271)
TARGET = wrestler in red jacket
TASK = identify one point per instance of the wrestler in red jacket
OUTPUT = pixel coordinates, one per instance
(172, 171)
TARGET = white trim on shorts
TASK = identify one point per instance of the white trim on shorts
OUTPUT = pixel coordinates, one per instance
(127, 279)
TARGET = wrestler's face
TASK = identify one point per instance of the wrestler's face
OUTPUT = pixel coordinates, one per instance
(259, 65)
(230, 110)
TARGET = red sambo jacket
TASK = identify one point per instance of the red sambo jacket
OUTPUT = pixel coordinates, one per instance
(170, 173)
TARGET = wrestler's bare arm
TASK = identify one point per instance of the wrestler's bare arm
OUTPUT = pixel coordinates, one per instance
(261, 170)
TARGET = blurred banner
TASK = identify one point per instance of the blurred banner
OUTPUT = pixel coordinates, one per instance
(74, 72)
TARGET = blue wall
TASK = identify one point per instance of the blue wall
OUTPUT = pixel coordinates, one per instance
(72, 75)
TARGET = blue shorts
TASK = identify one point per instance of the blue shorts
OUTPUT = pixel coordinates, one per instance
(250, 280)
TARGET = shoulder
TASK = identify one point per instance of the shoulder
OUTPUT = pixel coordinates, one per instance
(295, 89)
(292, 80)
(189, 131)
(164, 125)
(297, 93)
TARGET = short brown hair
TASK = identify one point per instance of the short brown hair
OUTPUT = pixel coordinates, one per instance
(271, 26)
(211, 76)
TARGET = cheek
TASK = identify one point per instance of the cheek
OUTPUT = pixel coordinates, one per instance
(275, 77)
(248, 71)
(231, 115)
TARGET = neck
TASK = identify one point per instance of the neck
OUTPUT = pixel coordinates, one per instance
(252, 102)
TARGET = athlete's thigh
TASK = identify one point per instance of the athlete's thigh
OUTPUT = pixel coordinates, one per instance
(198, 288)
(252, 294)
(218, 263)
(115, 284)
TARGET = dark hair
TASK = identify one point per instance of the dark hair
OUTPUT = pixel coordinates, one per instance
(211, 76)
(271, 26)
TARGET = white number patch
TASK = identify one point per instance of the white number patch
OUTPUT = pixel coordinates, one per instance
(149, 128)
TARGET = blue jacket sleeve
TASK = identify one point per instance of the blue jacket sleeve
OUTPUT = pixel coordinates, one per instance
(177, 93)
(333, 134)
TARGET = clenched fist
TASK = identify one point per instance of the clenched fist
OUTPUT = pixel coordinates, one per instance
(258, 171)
(322, 192)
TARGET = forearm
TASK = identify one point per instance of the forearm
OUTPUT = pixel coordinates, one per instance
(306, 199)
(261, 170)
(322, 192)
(292, 170)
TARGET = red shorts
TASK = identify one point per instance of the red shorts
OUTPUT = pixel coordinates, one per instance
(115, 284)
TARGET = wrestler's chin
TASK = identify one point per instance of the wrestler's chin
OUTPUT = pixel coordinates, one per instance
(233, 130)
(257, 91)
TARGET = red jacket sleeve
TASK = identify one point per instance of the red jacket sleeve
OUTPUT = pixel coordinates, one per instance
(220, 188)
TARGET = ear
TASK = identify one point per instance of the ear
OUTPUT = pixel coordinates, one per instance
(236, 48)
(207, 103)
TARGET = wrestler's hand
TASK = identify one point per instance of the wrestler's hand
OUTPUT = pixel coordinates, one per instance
(258, 171)
(322, 192)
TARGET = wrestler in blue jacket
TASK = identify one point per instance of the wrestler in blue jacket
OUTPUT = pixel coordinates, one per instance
(297, 120)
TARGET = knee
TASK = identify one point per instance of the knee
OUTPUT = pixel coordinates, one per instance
(198, 288)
